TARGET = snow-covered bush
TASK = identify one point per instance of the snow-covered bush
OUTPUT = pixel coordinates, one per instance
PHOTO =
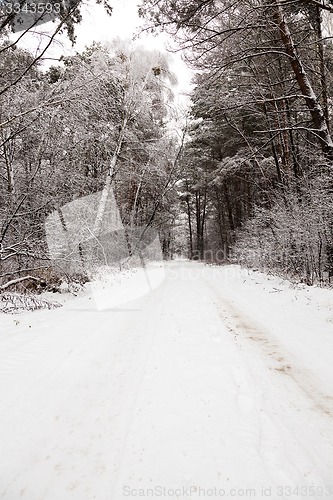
(294, 236)
(14, 303)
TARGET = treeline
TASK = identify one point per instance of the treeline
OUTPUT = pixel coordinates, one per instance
(99, 117)
(249, 177)
(257, 181)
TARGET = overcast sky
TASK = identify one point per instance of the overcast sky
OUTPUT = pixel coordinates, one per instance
(124, 23)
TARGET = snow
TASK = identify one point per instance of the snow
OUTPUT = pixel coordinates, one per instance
(211, 382)
(116, 288)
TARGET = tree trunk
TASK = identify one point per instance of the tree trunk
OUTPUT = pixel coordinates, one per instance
(107, 185)
(316, 111)
(189, 218)
(322, 65)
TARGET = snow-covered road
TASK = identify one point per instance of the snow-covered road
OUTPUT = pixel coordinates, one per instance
(218, 383)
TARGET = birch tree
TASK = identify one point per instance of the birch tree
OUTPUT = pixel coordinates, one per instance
(63, 151)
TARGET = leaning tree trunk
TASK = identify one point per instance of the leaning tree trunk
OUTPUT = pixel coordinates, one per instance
(111, 172)
(317, 113)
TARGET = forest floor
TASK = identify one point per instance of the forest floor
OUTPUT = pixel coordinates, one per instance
(219, 382)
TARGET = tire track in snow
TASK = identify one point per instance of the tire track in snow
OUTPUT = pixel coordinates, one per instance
(290, 389)
(242, 327)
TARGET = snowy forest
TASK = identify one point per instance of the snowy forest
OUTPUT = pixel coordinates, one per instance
(166, 249)
(243, 175)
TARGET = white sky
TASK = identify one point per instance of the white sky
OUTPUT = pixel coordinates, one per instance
(124, 23)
